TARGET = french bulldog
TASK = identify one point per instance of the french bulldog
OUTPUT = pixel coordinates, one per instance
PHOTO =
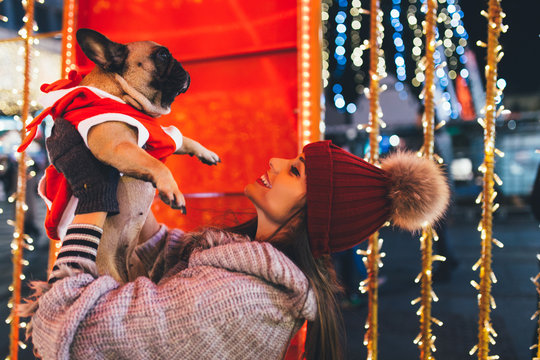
(146, 76)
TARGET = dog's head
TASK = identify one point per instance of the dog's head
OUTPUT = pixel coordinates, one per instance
(146, 71)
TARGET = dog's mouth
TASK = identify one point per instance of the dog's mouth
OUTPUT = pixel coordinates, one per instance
(176, 82)
(172, 80)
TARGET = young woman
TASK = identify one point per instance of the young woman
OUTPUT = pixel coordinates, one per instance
(240, 293)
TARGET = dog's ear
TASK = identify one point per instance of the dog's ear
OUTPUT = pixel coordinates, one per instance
(107, 54)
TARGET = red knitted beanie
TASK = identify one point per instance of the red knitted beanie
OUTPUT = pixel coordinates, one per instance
(348, 199)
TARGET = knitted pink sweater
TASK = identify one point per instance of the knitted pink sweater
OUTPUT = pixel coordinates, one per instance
(235, 300)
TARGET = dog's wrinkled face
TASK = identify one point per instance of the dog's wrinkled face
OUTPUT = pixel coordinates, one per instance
(146, 66)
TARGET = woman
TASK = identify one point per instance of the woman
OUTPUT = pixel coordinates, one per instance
(239, 293)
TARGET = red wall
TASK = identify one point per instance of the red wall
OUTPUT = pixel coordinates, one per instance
(241, 56)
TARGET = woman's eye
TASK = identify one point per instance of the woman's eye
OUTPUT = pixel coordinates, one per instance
(295, 171)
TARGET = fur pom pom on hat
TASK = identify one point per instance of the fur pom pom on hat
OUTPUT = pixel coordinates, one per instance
(417, 189)
(348, 199)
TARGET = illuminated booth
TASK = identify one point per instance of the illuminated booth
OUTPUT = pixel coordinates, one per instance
(243, 101)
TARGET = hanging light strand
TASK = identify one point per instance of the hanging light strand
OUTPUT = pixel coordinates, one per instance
(69, 25)
(486, 333)
(536, 282)
(426, 340)
(399, 57)
(417, 43)
(358, 46)
(18, 243)
(376, 73)
(325, 16)
(310, 76)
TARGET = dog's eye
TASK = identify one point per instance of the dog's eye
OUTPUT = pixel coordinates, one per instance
(163, 54)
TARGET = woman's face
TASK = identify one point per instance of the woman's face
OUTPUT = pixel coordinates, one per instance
(278, 193)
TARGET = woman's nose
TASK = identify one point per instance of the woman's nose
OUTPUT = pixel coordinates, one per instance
(276, 164)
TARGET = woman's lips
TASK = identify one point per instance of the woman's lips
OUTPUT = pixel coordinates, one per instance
(263, 181)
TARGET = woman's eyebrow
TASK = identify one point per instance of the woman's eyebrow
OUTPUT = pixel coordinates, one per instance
(302, 159)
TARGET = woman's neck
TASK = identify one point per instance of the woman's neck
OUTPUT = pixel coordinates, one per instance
(265, 227)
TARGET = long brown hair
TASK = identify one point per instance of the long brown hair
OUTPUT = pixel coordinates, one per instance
(325, 335)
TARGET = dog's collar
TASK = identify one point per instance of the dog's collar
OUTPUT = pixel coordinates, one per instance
(139, 101)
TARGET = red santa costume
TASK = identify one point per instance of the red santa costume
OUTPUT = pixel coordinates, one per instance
(84, 107)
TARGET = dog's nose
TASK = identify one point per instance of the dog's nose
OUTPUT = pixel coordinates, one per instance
(187, 82)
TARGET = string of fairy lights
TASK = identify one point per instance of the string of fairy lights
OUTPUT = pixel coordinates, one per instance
(343, 50)
(399, 56)
(310, 125)
(19, 103)
(340, 55)
(352, 14)
(448, 62)
(68, 37)
(377, 71)
(425, 339)
(454, 33)
(536, 282)
(372, 256)
(486, 302)
(21, 240)
(67, 64)
(325, 56)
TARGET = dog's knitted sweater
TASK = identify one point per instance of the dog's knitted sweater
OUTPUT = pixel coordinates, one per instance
(235, 299)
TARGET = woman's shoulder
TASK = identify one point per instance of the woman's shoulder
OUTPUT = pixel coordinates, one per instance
(254, 276)
(259, 259)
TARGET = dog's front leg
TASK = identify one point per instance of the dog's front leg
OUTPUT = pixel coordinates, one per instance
(192, 147)
(115, 143)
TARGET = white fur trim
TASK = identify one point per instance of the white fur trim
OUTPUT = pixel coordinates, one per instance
(67, 217)
(41, 191)
(85, 125)
(69, 212)
(48, 99)
(103, 94)
(175, 134)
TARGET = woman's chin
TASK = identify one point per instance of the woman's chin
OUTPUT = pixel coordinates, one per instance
(250, 191)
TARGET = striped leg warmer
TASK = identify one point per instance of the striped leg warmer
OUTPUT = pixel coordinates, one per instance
(79, 249)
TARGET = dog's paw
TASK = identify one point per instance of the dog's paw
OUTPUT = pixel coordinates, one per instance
(208, 157)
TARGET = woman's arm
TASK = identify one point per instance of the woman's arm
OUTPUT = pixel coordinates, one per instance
(201, 313)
